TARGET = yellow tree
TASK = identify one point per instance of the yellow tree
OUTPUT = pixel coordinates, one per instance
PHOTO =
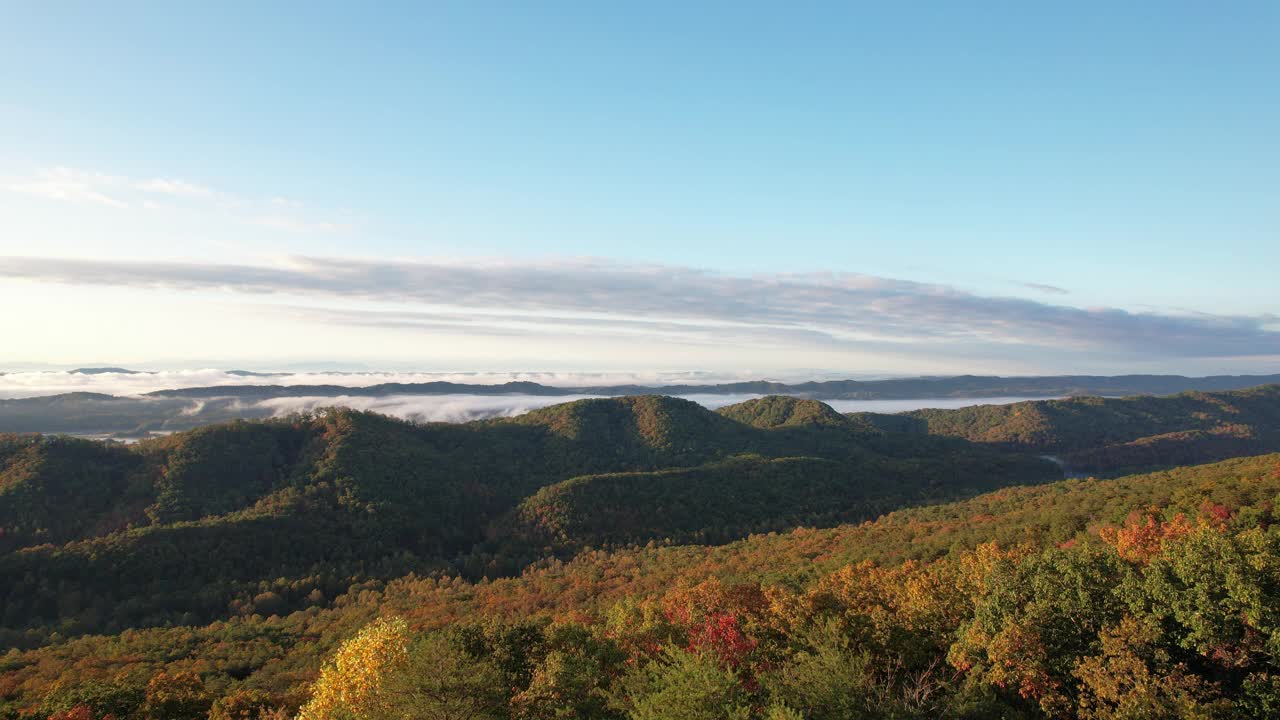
(354, 684)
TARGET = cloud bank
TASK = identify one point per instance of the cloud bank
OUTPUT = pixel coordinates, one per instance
(663, 302)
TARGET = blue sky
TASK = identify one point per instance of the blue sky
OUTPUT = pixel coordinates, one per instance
(1117, 156)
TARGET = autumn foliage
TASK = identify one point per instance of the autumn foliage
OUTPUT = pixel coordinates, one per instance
(1151, 596)
(1142, 535)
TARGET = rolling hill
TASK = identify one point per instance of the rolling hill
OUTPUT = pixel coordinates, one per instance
(100, 537)
(235, 556)
(1113, 435)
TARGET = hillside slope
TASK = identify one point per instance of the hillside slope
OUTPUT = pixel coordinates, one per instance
(278, 655)
(812, 467)
(268, 516)
(1113, 435)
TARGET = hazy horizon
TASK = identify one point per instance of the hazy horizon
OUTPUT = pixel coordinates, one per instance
(137, 382)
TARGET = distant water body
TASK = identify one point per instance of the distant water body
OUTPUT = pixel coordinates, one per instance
(897, 406)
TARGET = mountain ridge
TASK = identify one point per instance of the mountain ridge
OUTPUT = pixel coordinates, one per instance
(976, 386)
(88, 413)
(1112, 435)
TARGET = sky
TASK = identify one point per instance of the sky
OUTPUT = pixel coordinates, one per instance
(745, 188)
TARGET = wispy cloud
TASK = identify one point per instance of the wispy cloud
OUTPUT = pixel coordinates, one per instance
(540, 296)
(177, 188)
(86, 187)
(1050, 289)
(68, 185)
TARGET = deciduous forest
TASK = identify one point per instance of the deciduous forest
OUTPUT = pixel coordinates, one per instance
(643, 557)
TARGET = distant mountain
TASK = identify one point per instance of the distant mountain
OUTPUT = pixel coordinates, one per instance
(95, 413)
(186, 408)
(104, 370)
(251, 373)
(1113, 435)
(965, 386)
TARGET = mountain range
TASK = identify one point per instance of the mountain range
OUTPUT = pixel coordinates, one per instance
(91, 413)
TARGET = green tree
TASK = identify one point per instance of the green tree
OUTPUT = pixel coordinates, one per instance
(1218, 593)
(441, 682)
(573, 680)
(1133, 678)
(117, 698)
(686, 686)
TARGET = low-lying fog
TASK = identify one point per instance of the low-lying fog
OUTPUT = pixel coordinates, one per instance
(119, 406)
(461, 408)
(149, 418)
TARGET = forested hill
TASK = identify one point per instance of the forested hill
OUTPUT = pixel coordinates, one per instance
(784, 411)
(625, 557)
(803, 464)
(101, 537)
(1146, 596)
(1112, 435)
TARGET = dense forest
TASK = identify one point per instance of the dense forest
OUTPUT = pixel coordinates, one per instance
(642, 557)
(99, 537)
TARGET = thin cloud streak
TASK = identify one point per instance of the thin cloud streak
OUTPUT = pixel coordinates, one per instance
(121, 192)
(1050, 289)
(67, 185)
(835, 307)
